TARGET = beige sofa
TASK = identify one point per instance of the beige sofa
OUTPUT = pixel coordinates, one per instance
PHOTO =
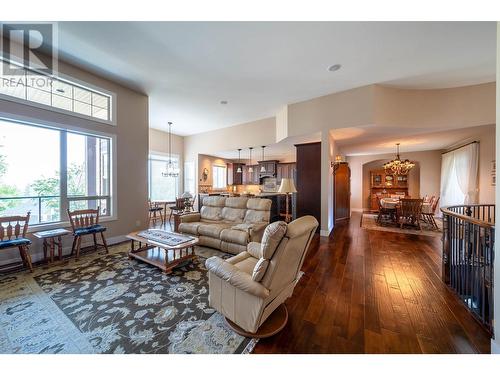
(248, 287)
(228, 224)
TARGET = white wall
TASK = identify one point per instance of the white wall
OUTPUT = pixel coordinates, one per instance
(486, 155)
(131, 148)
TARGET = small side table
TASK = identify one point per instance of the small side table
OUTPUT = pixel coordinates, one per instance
(51, 239)
(177, 219)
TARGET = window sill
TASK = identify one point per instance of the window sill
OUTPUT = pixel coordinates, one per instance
(63, 224)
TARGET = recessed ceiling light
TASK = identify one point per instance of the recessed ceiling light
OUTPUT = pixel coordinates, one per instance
(334, 68)
(223, 102)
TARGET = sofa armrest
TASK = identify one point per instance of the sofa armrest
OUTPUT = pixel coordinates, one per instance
(239, 279)
(257, 231)
(189, 218)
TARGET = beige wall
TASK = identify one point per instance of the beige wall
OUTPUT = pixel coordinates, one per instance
(425, 179)
(207, 161)
(131, 152)
(458, 107)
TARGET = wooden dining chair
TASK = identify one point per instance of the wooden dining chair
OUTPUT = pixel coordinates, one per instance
(179, 206)
(154, 209)
(86, 222)
(410, 212)
(13, 231)
(428, 217)
(382, 211)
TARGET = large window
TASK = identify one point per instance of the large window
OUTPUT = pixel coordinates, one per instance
(58, 93)
(189, 177)
(162, 188)
(46, 171)
(219, 177)
(459, 175)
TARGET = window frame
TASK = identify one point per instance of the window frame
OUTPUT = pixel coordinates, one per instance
(63, 128)
(73, 82)
(219, 166)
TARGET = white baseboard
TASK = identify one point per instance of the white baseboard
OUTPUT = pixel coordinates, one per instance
(324, 233)
(357, 210)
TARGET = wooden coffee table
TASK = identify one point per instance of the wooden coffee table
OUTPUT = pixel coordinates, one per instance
(161, 255)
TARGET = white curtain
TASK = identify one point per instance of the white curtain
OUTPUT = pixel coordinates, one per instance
(459, 176)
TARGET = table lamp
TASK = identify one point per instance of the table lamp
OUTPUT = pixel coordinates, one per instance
(287, 187)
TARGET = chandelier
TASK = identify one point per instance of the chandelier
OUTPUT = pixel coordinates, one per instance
(397, 166)
(171, 170)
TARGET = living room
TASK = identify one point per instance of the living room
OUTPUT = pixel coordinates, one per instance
(323, 187)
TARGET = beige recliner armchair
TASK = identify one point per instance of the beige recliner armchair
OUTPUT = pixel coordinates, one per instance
(248, 287)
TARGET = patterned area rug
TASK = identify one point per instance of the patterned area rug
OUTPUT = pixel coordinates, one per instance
(369, 221)
(110, 304)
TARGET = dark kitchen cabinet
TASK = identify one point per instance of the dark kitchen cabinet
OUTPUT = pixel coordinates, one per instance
(308, 183)
(233, 177)
(251, 178)
(270, 166)
(285, 170)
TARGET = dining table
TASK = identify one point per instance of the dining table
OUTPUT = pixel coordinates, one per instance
(165, 205)
(393, 203)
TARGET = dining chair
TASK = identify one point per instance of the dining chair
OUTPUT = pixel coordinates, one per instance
(410, 212)
(178, 207)
(428, 217)
(154, 209)
(86, 222)
(13, 231)
(382, 211)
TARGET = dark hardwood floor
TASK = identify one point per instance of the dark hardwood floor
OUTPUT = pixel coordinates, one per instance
(375, 292)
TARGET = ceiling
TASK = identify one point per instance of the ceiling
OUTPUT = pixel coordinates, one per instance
(188, 68)
(374, 140)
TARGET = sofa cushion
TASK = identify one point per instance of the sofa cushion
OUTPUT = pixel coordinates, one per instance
(255, 249)
(214, 201)
(260, 269)
(191, 227)
(259, 204)
(212, 230)
(234, 215)
(211, 213)
(236, 202)
(256, 216)
(235, 236)
(273, 234)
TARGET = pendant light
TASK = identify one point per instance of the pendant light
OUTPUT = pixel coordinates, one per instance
(397, 166)
(239, 162)
(171, 170)
(250, 168)
(263, 167)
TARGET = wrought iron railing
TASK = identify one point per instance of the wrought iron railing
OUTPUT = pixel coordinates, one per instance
(468, 257)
